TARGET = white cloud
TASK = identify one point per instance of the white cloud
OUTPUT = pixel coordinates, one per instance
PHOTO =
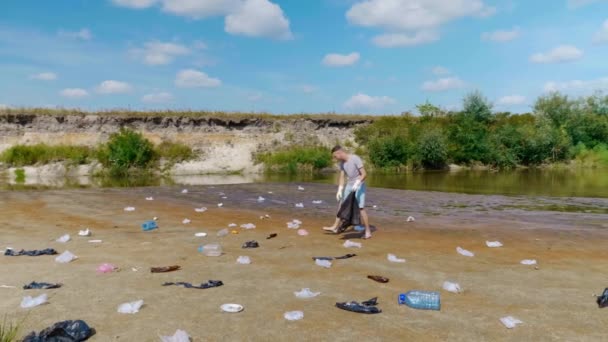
(560, 54)
(190, 78)
(138, 4)
(511, 100)
(439, 70)
(160, 53)
(307, 89)
(587, 86)
(443, 84)
(162, 97)
(113, 87)
(258, 18)
(601, 36)
(338, 60)
(413, 18)
(501, 35)
(44, 76)
(198, 9)
(83, 34)
(573, 4)
(74, 93)
(365, 102)
(389, 40)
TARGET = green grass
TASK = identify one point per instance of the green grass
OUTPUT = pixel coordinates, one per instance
(9, 331)
(175, 152)
(19, 175)
(25, 155)
(296, 159)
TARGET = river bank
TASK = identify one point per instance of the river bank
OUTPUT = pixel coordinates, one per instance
(554, 301)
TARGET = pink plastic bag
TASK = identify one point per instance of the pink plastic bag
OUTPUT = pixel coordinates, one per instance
(105, 268)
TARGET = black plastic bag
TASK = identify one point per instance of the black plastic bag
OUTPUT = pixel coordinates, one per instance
(349, 212)
(66, 331)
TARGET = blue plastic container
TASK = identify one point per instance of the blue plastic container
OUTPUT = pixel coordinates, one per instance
(149, 225)
(359, 228)
(422, 300)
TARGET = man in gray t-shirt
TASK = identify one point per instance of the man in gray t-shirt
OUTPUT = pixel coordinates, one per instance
(351, 170)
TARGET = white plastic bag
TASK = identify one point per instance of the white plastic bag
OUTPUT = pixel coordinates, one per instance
(323, 263)
(393, 258)
(411, 219)
(179, 336)
(306, 293)
(528, 262)
(131, 307)
(300, 188)
(350, 244)
(186, 221)
(130, 209)
(232, 225)
(65, 257)
(243, 260)
(248, 226)
(63, 239)
(451, 287)
(86, 232)
(299, 205)
(464, 252)
(149, 198)
(185, 191)
(294, 315)
(30, 302)
(510, 322)
(317, 202)
(200, 210)
(493, 244)
(219, 205)
(261, 199)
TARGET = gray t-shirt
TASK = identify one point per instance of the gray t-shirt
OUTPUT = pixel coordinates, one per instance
(351, 168)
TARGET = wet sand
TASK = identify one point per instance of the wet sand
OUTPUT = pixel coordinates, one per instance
(554, 301)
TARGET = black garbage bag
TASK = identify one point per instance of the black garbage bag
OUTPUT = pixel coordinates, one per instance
(203, 286)
(37, 286)
(366, 307)
(47, 251)
(349, 212)
(602, 301)
(66, 331)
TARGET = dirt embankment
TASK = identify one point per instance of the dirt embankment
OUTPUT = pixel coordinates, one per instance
(225, 144)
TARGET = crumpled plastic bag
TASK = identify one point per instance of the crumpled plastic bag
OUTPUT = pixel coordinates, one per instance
(248, 226)
(130, 209)
(294, 315)
(261, 199)
(30, 302)
(393, 258)
(464, 252)
(317, 202)
(131, 307)
(510, 322)
(306, 293)
(410, 219)
(528, 262)
(451, 287)
(105, 268)
(86, 232)
(299, 205)
(493, 244)
(65, 257)
(186, 221)
(64, 238)
(179, 336)
(350, 244)
(200, 210)
(323, 263)
(302, 232)
(66, 331)
(243, 260)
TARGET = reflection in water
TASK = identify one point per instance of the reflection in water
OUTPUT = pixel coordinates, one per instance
(575, 183)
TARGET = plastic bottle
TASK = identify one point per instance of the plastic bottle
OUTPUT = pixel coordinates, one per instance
(222, 232)
(423, 300)
(211, 250)
(149, 225)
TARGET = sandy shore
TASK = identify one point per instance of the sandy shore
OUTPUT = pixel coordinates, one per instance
(554, 301)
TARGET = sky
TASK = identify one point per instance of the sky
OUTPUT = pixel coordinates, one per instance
(288, 56)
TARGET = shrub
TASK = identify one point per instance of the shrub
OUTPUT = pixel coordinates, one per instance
(297, 158)
(126, 150)
(175, 152)
(388, 151)
(26, 155)
(431, 150)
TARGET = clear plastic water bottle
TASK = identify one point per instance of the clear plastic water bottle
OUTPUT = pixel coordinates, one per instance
(423, 300)
(149, 225)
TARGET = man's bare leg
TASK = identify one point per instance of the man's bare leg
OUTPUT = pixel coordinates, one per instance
(364, 218)
(333, 228)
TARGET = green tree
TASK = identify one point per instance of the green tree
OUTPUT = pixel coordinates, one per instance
(431, 150)
(555, 107)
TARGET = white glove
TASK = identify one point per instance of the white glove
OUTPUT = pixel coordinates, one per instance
(357, 185)
(340, 193)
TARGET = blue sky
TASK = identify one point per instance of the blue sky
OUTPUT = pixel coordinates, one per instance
(287, 56)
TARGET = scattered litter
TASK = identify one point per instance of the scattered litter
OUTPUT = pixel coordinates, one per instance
(375, 206)
(47, 251)
(222, 232)
(65, 331)
(106, 268)
(65, 257)
(186, 221)
(350, 244)
(294, 224)
(251, 244)
(299, 205)
(134, 269)
(243, 260)
(379, 279)
(7, 287)
(323, 263)
(347, 256)
(264, 217)
(359, 228)
(200, 234)
(306, 293)
(493, 244)
(271, 236)
(149, 225)
(451, 287)
(155, 218)
(232, 225)
(63, 239)
(224, 197)
(211, 250)
(232, 308)
(300, 188)
(317, 202)
(293, 315)
(86, 232)
(234, 232)
(203, 286)
(393, 258)
(179, 336)
(165, 269)
(185, 191)
(129, 209)
(510, 322)
(464, 252)
(149, 198)
(411, 219)
(528, 262)
(220, 205)
(367, 307)
(248, 226)
(602, 301)
(40, 286)
(95, 241)
(270, 192)
(261, 199)
(302, 232)
(131, 308)
(200, 210)
(422, 300)
(30, 302)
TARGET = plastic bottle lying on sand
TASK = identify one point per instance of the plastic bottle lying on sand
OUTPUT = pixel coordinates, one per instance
(149, 225)
(422, 300)
(211, 250)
